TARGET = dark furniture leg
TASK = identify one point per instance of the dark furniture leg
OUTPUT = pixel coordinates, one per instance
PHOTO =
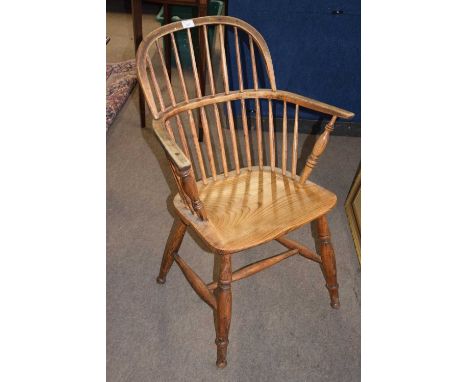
(137, 38)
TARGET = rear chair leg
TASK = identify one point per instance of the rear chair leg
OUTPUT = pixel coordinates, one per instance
(223, 311)
(172, 246)
(328, 261)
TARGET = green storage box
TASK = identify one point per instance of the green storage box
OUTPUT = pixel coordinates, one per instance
(215, 8)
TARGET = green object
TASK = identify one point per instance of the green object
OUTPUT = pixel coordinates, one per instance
(214, 8)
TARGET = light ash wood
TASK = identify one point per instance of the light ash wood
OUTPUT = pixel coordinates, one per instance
(271, 136)
(256, 267)
(172, 246)
(245, 207)
(193, 128)
(190, 189)
(182, 193)
(243, 110)
(285, 138)
(206, 134)
(295, 138)
(258, 94)
(232, 127)
(196, 282)
(258, 114)
(318, 150)
(181, 130)
(175, 154)
(302, 249)
(215, 105)
(254, 207)
(223, 313)
(155, 84)
(258, 124)
(328, 261)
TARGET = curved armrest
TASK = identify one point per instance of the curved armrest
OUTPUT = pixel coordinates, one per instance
(176, 155)
(314, 104)
(187, 185)
(282, 95)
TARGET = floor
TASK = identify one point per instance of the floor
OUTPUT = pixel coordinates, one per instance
(282, 329)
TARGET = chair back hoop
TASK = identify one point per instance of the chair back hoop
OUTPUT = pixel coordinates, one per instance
(147, 74)
(199, 96)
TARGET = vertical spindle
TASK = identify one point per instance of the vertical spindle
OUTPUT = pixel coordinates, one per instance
(228, 103)
(146, 87)
(190, 114)
(173, 101)
(258, 115)
(215, 105)
(285, 138)
(202, 109)
(294, 148)
(242, 101)
(155, 83)
(271, 135)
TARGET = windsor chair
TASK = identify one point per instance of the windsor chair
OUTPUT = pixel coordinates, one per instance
(243, 197)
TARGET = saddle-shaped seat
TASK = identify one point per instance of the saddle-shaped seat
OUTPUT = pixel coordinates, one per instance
(254, 207)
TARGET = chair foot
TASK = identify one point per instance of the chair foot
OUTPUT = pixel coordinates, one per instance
(334, 298)
(221, 361)
(161, 280)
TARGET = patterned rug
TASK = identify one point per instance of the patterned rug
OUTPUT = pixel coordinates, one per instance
(120, 81)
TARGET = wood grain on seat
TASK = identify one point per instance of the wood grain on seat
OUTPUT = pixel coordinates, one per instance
(254, 207)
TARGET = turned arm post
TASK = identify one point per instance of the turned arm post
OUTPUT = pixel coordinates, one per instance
(190, 188)
(181, 168)
(317, 150)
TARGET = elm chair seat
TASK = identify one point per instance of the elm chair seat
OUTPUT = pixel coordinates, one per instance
(255, 207)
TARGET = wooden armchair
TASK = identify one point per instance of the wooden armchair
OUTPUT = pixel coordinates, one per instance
(244, 196)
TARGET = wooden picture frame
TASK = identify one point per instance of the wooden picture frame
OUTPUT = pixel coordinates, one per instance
(353, 211)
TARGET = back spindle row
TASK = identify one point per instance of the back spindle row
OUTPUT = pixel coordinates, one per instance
(245, 142)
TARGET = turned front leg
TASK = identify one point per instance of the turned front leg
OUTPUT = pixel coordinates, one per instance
(223, 311)
(328, 261)
(172, 246)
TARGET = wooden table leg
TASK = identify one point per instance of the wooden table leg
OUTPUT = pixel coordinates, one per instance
(137, 38)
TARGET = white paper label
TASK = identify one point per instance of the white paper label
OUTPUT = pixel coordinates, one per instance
(188, 23)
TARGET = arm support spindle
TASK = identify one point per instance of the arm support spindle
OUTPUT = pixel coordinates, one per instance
(317, 150)
(191, 190)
